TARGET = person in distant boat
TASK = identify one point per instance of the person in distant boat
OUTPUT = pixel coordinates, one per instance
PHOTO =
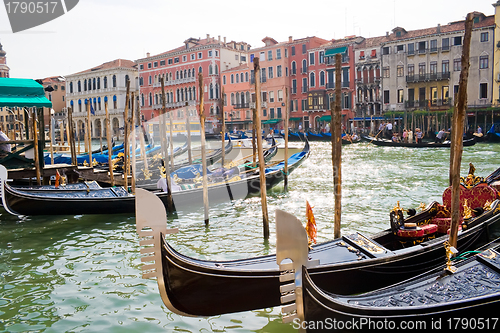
(355, 137)
(327, 128)
(300, 127)
(5, 147)
(418, 135)
(441, 136)
(410, 136)
(405, 135)
(395, 137)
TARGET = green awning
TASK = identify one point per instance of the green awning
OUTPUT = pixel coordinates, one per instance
(336, 50)
(295, 119)
(325, 118)
(22, 93)
(271, 121)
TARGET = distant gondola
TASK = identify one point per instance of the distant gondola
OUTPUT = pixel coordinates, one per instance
(390, 143)
(345, 140)
(465, 289)
(351, 264)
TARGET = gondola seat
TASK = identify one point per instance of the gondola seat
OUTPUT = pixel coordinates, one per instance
(417, 233)
(476, 196)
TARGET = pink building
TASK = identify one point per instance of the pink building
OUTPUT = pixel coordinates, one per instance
(179, 68)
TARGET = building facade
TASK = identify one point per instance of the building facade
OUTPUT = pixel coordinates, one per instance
(421, 68)
(104, 83)
(180, 68)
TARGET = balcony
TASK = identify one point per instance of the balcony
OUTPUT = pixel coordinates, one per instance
(293, 90)
(175, 82)
(438, 76)
(241, 106)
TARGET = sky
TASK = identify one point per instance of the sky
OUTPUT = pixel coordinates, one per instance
(97, 31)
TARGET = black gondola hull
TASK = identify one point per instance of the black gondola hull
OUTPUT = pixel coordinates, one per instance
(389, 143)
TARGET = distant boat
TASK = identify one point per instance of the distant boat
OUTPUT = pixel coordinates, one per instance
(390, 143)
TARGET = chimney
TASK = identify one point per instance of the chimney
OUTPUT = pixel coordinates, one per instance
(224, 40)
(438, 30)
(387, 34)
(208, 38)
(290, 39)
(219, 39)
(148, 55)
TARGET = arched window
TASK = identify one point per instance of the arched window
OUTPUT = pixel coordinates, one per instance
(294, 68)
(194, 94)
(71, 88)
(193, 73)
(150, 99)
(232, 98)
(94, 85)
(248, 97)
(322, 78)
(178, 95)
(114, 81)
(216, 70)
(170, 75)
(126, 80)
(210, 70)
(304, 66)
(232, 78)
(237, 78)
(224, 80)
(216, 90)
(225, 99)
(185, 74)
(246, 76)
(142, 99)
(180, 75)
(182, 94)
(200, 70)
(141, 81)
(177, 75)
(98, 83)
(186, 94)
(211, 91)
(105, 82)
(241, 77)
(312, 79)
(85, 85)
(115, 102)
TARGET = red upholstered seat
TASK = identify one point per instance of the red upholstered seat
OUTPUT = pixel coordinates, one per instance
(476, 197)
(459, 229)
(429, 228)
(413, 233)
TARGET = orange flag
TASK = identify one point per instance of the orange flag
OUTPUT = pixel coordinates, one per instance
(311, 230)
(58, 177)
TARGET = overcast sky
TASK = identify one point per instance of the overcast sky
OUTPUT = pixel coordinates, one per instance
(96, 31)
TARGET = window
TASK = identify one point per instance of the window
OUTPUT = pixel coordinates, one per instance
(457, 40)
(71, 87)
(279, 72)
(293, 50)
(483, 62)
(434, 45)
(263, 76)
(386, 96)
(294, 68)
(176, 60)
(224, 79)
(401, 70)
(421, 68)
(433, 67)
(162, 62)
(184, 58)
(155, 64)
(237, 78)
(193, 56)
(457, 65)
(210, 53)
(483, 90)
(421, 47)
(169, 61)
(246, 76)
(411, 48)
(149, 65)
(262, 56)
(304, 85)
(280, 95)
(321, 57)
(304, 66)
(304, 48)
(105, 83)
(322, 78)
(411, 70)
(141, 66)
(445, 93)
(445, 66)
(386, 50)
(386, 72)
(400, 48)
(311, 58)
(200, 55)
(270, 55)
(400, 95)
(312, 79)
(278, 54)
(232, 78)
(484, 36)
(271, 96)
(270, 72)
(445, 44)
(114, 81)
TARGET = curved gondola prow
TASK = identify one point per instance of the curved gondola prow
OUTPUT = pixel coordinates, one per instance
(3, 183)
(291, 244)
(151, 226)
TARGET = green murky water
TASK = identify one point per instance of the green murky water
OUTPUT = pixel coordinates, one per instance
(82, 273)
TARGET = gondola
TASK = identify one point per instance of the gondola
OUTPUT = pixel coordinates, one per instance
(463, 288)
(352, 264)
(493, 135)
(345, 140)
(299, 136)
(117, 200)
(390, 143)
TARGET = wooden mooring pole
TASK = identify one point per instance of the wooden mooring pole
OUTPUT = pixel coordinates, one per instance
(457, 133)
(110, 149)
(163, 143)
(287, 116)
(337, 146)
(260, 152)
(203, 148)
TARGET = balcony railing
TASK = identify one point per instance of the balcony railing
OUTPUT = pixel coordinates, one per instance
(241, 106)
(428, 77)
(174, 82)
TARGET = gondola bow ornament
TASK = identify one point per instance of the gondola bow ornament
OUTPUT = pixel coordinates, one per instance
(311, 229)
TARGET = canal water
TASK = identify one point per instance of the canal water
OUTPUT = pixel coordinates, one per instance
(82, 273)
